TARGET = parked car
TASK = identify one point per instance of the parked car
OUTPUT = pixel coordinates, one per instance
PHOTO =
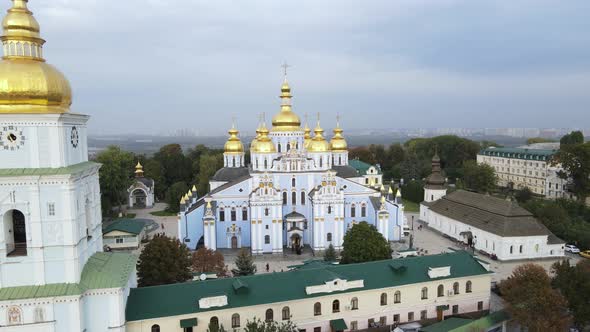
(585, 253)
(572, 248)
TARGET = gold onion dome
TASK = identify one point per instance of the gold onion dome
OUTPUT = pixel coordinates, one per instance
(264, 144)
(307, 136)
(27, 83)
(255, 140)
(338, 143)
(286, 120)
(138, 169)
(318, 142)
(233, 144)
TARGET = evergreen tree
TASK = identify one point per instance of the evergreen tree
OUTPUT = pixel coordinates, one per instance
(116, 176)
(363, 243)
(163, 261)
(244, 264)
(174, 194)
(330, 254)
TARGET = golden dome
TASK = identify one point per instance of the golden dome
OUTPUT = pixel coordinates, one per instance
(255, 140)
(338, 143)
(306, 136)
(233, 144)
(318, 142)
(264, 144)
(286, 120)
(27, 83)
(139, 170)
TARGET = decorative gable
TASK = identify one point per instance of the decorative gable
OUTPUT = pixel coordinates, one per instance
(335, 285)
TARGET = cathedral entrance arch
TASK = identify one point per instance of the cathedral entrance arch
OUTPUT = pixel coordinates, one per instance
(139, 198)
(234, 242)
(296, 242)
(15, 233)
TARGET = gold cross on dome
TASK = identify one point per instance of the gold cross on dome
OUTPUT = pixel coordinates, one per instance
(285, 66)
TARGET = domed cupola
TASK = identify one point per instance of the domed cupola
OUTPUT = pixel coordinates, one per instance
(28, 84)
(338, 143)
(286, 120)
(233, 152)
(307, 134)
(318, 142)
(264, 144)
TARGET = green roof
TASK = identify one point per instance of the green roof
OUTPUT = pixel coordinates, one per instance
(103, 270)
(361, 166)
(519, 153)
(72, 169)
(338, 325)
(455, 324)
(190, 322)
(133, 226)
(182, 298)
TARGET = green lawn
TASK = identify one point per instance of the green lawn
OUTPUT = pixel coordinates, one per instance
(410, 206)
(163, 213)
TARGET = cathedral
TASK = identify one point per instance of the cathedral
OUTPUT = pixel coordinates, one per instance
(53, 273)
(299, 189)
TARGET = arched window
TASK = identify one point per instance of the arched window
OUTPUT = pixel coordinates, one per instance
(221, 214)
(329, 209)
(288, 146)
(317, 309)
(456, 288)
(266, 212)
(424, 293)
(303, 198)
(511, 249)
(286, 313)
(265, 163)
(294, 198)
(353, 210)
(321, 162)
(155, 328)
(16, 237)
(397, 297)
(520, 249)
(214, 323)
(284, 198)
(235, 320)
(468, 286)
(269, 315)
(329, 237)
(354, 303)
(293, 182)
(267, 239)
(383, 298)
(335, 306)
(244, 213)
(279, 147)
(233, 214)
(339, 160)
(441, 291)
(363, 210)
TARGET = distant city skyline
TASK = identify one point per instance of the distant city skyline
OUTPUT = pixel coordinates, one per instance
(156, 66)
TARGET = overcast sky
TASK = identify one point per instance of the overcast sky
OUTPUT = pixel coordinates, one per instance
(160, 65)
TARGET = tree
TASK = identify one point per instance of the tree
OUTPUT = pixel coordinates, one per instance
(535, 140)
(573, 138)
(176, 167)
(208, 165)
(523, 195)
(244, 264)
(206, 260)
(413, 168)
(163, 261)
(153, 170)
(413, 191)
(532, 302)
(479, 177)
(575, 160)
(573, 283)
(174, 194)
(256, 325)
(330, 254)
(363, 243)
(115, 176)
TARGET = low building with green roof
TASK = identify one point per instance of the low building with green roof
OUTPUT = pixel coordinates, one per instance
(124, 233)
(367, 174)
(320, 296)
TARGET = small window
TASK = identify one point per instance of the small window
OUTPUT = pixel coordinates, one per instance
(51, 209)
(214, 322)
(155, 328)
(317, 309)
(410, 316)
(397, 297)
(354, 325)
(423, 314)
(455, 309)
(383, 320)
(335, 306)
(396, 318)
(294, 198)
(441, 291)
(456, 288)
(303, 198)
(286, 313)
(353, 210)
(363, 210)
(520, 249)
(118, 240)
(221, 214)
(233, 214)
(480, 306)
(468, 286)
(266, 212)
(235, 320)
(317, 329)
(284, 198)
(293, 182)
(329, 237)
(267, 239)
(424, 293)
(269, 315)
(511, 249)
(244, 213)
(354, 303)
(383, 299)
(329, 209)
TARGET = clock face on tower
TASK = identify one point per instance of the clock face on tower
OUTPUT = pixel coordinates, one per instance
(74, 138)
(11, 138)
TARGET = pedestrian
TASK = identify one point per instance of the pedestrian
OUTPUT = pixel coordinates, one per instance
(162, 225)
(267, 267)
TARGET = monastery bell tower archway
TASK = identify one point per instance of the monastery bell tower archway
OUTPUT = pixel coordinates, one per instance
(15, 233)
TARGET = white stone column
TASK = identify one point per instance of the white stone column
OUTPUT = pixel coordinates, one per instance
(315, 226)
(253, 239)
(322, 235)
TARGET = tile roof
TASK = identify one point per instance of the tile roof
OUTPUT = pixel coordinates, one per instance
(362, 167)
(72, 169)
(346, 171)
(103, 270)
(133, 226)
(182, 298)
(230, 173)
(491, 214)
(519, 153)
